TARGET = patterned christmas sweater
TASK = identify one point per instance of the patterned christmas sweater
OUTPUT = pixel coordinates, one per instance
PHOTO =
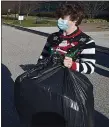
(85, 63)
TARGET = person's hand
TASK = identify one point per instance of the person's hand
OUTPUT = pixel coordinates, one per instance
(68, 62)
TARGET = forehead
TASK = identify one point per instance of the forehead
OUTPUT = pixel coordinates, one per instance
(67, 17)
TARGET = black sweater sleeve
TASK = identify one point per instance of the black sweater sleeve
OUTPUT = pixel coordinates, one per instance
(46, 50)
(52, 40)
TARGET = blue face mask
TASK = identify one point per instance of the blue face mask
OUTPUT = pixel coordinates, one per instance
(63, 24)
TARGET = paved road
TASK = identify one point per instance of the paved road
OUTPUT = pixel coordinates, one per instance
(101, 38)
(19, 47)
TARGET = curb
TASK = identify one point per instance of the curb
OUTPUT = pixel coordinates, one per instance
(102, 49)
(28, 30)
(98, 48)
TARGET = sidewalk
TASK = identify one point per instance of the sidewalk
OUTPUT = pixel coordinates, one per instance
(101, 37)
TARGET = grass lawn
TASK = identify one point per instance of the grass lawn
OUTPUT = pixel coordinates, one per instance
(30, 21)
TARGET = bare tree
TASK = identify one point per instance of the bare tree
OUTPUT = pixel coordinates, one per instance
(93, 8)
(17, 8)
(30, 6)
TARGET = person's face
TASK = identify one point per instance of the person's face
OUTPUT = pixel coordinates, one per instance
(70, 22)
(65, 23)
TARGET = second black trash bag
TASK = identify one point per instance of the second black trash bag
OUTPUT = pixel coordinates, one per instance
(50, 87)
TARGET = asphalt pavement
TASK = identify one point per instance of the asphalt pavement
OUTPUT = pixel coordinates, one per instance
(20, 48)
(101, 37)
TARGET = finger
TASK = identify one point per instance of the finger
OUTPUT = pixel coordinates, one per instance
(68, 61)
(67, 64)
(67, 57)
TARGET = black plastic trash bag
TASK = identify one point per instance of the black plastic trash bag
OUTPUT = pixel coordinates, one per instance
(51, 87)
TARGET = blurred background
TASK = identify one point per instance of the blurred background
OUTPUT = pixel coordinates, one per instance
(23, 46)
(42, 13)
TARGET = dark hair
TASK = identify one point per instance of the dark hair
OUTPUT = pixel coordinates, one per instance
(75, 11)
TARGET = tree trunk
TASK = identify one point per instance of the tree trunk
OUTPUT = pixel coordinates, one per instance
(27, 15)
(15, 16)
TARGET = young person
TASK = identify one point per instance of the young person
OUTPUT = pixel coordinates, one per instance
(77, 93)
(70, 35)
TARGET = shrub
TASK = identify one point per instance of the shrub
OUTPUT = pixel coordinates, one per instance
(94, 21)
(46, 14)
(8, 17)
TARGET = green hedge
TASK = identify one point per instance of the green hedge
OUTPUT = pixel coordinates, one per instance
(46, 14)
(31, 23)
(96, 21)
(8, 17)
(33, 20)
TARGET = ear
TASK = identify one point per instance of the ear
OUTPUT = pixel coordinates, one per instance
(75, 21)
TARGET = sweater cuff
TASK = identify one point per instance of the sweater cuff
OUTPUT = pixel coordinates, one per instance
(74, 66)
